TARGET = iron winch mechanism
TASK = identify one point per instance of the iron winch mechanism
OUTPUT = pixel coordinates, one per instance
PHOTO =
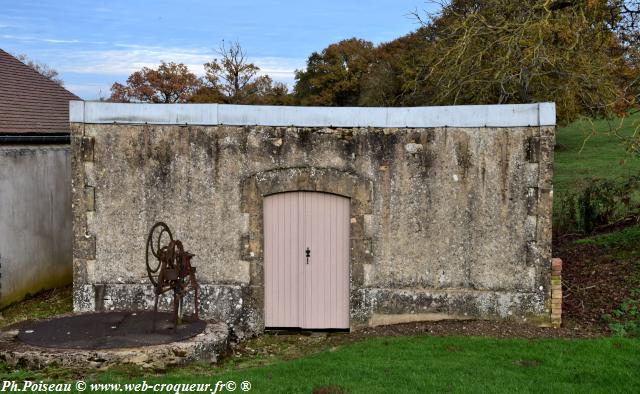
(169, 269)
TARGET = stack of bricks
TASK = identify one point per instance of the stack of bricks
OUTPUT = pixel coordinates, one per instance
(556, 292)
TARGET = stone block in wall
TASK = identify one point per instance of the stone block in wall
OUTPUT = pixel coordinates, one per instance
(88, 148)
(532, 253)
(544, 230)
(245, 248)
(368, 274)
(390, 306)
(90, 178)
(83, 297)
(84, 247)
(357, 226)
(90, 198)
(532, 149)
(369, 230)
(530, 227)
(547, 143)
(228, 303)
(531, 174)
(532, 201)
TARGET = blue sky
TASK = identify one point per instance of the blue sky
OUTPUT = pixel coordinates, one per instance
(94, 43)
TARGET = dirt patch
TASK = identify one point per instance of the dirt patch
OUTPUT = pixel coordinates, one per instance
(528, 363)
(328, 390)
(595, 280)
(484, 328)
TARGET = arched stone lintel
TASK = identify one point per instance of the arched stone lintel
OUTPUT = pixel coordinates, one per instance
(327, 180)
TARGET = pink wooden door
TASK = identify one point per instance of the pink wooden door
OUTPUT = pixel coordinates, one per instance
(301, 292)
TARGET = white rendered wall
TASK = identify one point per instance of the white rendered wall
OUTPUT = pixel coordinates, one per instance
(35, 220)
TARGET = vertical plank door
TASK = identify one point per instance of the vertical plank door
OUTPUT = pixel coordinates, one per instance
(303, 292)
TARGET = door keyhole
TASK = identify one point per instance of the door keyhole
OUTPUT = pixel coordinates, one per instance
(308, 254)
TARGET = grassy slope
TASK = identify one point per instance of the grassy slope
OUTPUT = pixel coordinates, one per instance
(581, 154)
(621, 241)
(427, 364)
(600, 156)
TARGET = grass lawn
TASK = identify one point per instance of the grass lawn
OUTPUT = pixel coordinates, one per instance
(623, 240)
(602, 271)
(582, 154)
(583, 151)
(420, 364)
(44, 304)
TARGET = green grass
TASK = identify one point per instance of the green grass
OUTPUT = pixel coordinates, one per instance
(44, 304)
(581, 153)
(592, 171)
(625, 238)
(426, 364)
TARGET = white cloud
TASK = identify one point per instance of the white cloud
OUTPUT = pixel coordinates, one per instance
(47, 40)
(133, 57)
(29, 38)
(90, 91)
(276, 66)
(111, 65)
(125, 61)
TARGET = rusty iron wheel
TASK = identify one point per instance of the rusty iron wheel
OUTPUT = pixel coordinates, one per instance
(155, 250)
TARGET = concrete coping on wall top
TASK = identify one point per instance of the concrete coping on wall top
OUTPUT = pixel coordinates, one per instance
(500, 115)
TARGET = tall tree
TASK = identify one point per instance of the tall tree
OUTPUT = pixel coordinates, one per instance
(624, 19)
(169, 83)
(278, 94)
(42, 68)
(496, 51)
(233, 79)
(390, 78)
(334, 76)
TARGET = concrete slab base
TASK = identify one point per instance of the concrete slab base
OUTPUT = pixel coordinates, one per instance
(206, 346)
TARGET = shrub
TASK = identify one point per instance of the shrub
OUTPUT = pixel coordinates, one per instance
(598, 202)
(625, 320)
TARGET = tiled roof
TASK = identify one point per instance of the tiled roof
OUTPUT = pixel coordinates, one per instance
(29, 102)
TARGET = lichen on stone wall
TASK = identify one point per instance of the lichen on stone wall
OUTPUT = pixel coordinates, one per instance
(440, 212)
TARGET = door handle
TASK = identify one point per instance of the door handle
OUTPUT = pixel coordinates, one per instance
(308, 254)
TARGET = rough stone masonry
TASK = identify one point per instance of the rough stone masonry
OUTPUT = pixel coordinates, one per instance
(450, 206)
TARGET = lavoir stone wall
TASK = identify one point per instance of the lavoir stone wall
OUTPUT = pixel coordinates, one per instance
(450, 206)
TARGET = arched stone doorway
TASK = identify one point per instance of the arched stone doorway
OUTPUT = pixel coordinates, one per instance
(253, 190)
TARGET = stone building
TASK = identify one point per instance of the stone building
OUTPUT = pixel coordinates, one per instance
(319, 217)
(35, 177)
